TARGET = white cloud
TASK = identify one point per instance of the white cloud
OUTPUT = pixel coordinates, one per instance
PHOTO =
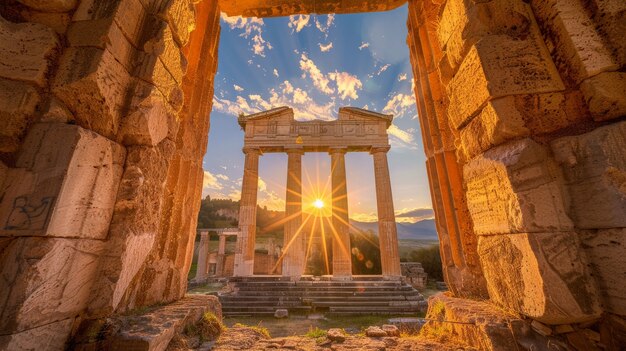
(400, 104)
(209, 181)
(275, 72)
(252, 29)
(237, 87)
(402, 77)
(347, 84)
(323, 27)
(383, 69)
(300, 96)
(221, 176)
(283, 95)
(298, 22)
(364, 217)
(401, 135)
(364, 45)
(262, 185)
(319, 80)
(325, 48)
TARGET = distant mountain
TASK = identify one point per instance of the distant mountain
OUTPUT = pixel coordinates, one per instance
(422, 230)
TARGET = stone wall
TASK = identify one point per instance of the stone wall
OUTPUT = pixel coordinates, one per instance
(104, 120)
(522, 107)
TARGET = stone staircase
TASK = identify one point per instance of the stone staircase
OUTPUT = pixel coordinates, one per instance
(262, 296)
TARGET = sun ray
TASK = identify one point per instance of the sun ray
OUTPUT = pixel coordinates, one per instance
(324, 245)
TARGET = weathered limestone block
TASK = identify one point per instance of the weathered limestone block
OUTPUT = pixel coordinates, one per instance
(55, 20)
(154, 330)
(152, 70)
(56, 112)
(541, 275)
(129, 15)
(45, 280)
(93, 85)
(609, 17)
(163, 46)
(605, 252)
(470, 322)
(148, 123)
(104, 34)
(54, 335)
(606, 95)
(498, 66)
(581, 51)
(18, 103)
(513, 117)
(134, 225)
(64, 185)
(181, 16)
(26, 51)
(462, 23)
(515, 188)
(594, 168)
(50, 5)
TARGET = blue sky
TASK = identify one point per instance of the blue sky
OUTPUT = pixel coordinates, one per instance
(317, 64)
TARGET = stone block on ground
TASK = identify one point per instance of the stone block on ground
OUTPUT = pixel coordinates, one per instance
(18, 103)
(154, 330)
(336, 335)
(65, 184)
(375, 332)
(29, 55)
(516, 188)
(391, 330)
(477, 324)
(281, 313)
(540, 275)
(594, 169)
(605, 252)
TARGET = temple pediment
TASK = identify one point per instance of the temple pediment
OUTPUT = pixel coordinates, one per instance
(277, 129)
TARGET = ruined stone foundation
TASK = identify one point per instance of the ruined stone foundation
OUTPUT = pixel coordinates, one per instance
(104, 117)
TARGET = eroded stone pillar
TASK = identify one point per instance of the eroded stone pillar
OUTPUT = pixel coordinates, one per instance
(221, 251)
(387, 232)
(203, 257)
(293, 259)
(342, 263)
(244, 253)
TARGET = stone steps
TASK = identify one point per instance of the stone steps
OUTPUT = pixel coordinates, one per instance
(256, 296)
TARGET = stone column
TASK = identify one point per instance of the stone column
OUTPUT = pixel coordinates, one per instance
(221, 254)
(387, 232)
(342, 260)
(244, 253)
(294, 246)
(203, 257)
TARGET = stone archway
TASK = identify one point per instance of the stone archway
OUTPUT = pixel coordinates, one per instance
(104, 126)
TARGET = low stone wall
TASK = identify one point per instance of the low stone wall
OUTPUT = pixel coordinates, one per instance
(414, 274)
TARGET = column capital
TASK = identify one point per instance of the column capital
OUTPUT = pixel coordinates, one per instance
(251, 150)
(337, 150)
(294, 150)
(378, 149)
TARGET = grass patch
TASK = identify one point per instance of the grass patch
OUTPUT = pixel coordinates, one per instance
(438, 308)
(315, 333)
(257, 328)
(210, 327)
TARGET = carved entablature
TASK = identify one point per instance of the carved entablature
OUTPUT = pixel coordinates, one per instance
(277, 130)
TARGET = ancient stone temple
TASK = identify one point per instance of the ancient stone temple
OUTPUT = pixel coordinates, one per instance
(104, 117)
(277, 131)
